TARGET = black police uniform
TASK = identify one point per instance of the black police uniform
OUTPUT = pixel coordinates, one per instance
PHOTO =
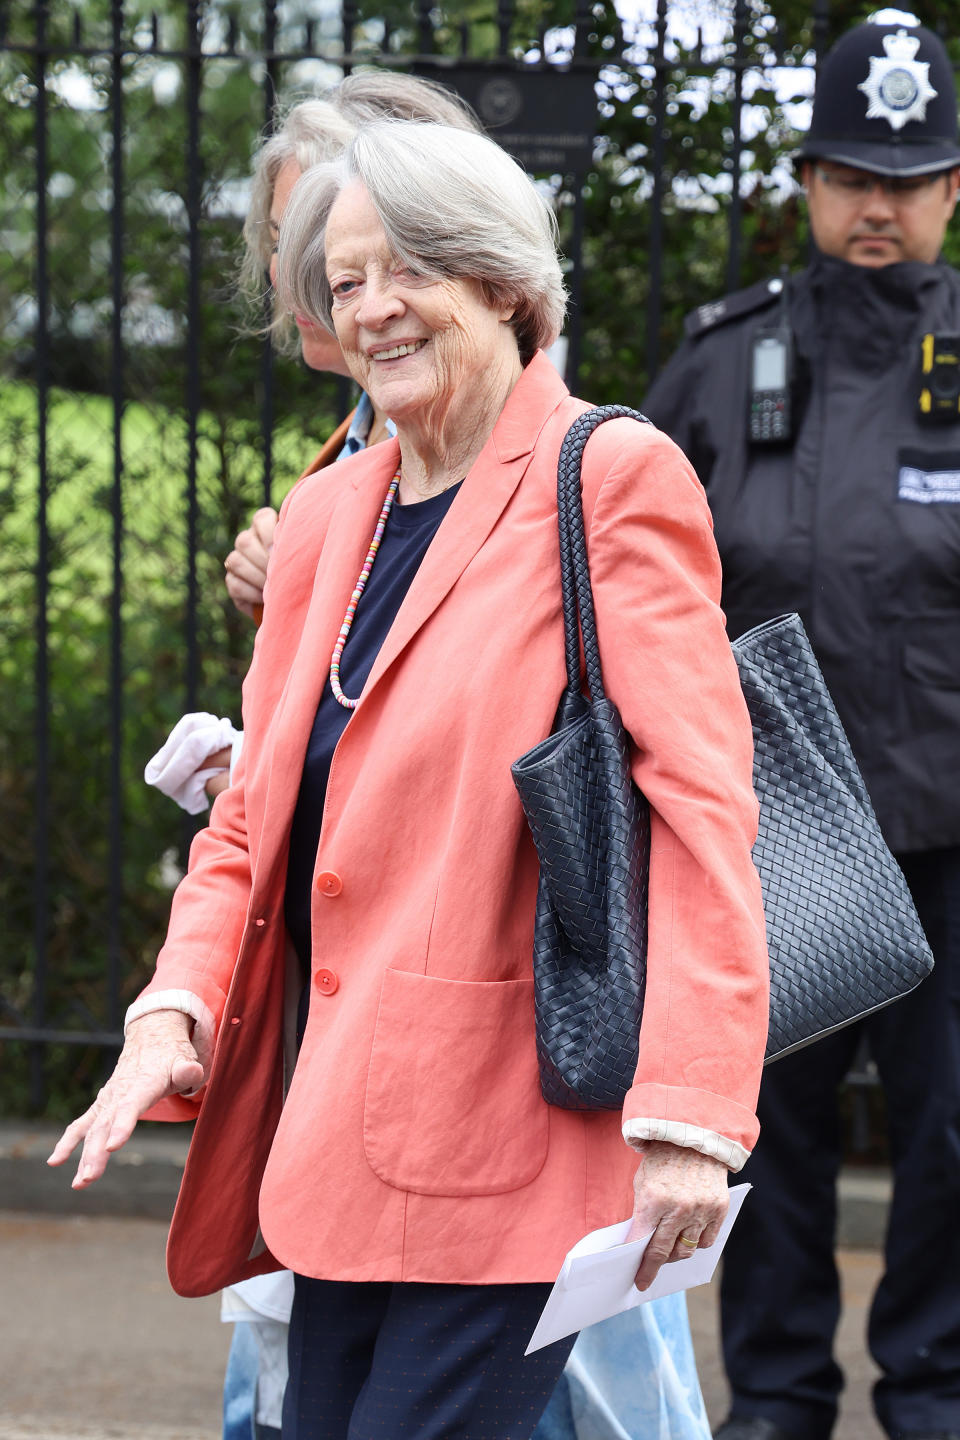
(855, 523)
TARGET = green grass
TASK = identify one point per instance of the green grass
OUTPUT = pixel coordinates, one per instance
(80, 459)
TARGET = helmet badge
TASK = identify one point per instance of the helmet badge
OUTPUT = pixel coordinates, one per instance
(898, 86)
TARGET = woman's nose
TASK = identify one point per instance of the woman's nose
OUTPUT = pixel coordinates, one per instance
(379, 303)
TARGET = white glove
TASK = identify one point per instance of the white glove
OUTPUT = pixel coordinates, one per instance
(177, 768)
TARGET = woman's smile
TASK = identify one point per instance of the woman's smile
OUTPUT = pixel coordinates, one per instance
(396, 351)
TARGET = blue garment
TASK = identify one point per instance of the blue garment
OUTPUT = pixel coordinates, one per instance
(633, 1377)
(240, 1389)
(359, 432)
(411, 1361)
(406, 538)
(240, 1386)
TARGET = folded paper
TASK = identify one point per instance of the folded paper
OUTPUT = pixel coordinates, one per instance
(596, 1278)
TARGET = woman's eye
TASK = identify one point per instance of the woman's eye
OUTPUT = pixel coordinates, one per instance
(342, 289)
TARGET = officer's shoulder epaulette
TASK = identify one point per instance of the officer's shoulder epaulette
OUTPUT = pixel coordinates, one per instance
(731, 307)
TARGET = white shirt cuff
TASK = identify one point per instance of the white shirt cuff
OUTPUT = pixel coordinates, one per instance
(691, 1137)
(204, 1025)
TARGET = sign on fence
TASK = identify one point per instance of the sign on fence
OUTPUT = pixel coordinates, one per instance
(546, 119)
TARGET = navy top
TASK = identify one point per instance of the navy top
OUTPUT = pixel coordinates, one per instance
(408, 533)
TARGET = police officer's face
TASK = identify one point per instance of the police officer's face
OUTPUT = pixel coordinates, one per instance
(856, 216)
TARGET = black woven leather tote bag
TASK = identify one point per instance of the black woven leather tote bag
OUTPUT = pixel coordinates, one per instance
(842, 932)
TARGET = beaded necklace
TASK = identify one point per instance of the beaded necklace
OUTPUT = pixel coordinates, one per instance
(335, 686)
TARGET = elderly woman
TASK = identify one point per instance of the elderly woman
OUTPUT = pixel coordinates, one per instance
(414, 1178)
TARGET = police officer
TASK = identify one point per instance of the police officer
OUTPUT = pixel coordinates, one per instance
(823, 417)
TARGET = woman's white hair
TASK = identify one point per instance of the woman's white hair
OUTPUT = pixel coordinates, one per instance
(453, 205)
(311, 132)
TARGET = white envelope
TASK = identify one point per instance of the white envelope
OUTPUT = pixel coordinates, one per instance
(596, 1278)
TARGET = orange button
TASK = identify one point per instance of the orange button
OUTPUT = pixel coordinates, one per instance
(328, 982)
(329, 883)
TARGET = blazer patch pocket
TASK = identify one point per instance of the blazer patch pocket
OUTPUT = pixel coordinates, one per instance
(453, 1104)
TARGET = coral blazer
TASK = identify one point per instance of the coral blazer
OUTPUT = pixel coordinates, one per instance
(413, 1142)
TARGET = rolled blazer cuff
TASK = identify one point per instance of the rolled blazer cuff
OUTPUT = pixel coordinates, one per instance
(691, 1137)
(695, 1119)
(187, 1004)
(204, 1024)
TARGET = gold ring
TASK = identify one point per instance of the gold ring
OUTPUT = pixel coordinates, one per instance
(690, 1244)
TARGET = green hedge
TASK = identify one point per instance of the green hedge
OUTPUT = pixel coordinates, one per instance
(153, 626)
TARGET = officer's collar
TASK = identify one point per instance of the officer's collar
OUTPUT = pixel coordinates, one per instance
(904, 284)
(866, 314)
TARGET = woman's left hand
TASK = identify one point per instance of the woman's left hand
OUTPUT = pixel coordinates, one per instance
(677, 1192)
(219, 761)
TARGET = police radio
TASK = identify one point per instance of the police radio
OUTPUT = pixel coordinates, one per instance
(939, 397)
(771, 368)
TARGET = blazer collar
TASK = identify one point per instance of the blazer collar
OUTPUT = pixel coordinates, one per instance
(529, 406)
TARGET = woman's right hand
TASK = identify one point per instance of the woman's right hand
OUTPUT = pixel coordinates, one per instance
(246, 565)
(158, 1059)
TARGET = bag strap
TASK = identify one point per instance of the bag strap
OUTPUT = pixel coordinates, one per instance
(578, 612)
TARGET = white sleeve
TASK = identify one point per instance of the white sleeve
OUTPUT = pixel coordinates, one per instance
(690, 1137)
(205, 1028)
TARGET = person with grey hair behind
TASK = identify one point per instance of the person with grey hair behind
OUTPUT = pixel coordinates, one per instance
(308, 133)
(413, 1177)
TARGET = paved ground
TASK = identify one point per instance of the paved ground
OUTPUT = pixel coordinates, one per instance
(95, 1344)
(860, 1270)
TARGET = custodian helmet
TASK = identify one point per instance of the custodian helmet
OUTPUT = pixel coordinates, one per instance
(886, 102)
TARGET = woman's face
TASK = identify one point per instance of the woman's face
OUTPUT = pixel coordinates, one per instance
(320, 349)
(414, 344)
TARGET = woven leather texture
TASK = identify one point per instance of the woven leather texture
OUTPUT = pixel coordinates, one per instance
(591, 827)
(843, 935)
(842, 931)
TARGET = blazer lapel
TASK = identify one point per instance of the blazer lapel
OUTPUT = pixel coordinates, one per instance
(340, 557)
(325, 456)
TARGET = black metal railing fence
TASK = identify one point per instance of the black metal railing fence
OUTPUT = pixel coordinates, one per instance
(139, 426)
